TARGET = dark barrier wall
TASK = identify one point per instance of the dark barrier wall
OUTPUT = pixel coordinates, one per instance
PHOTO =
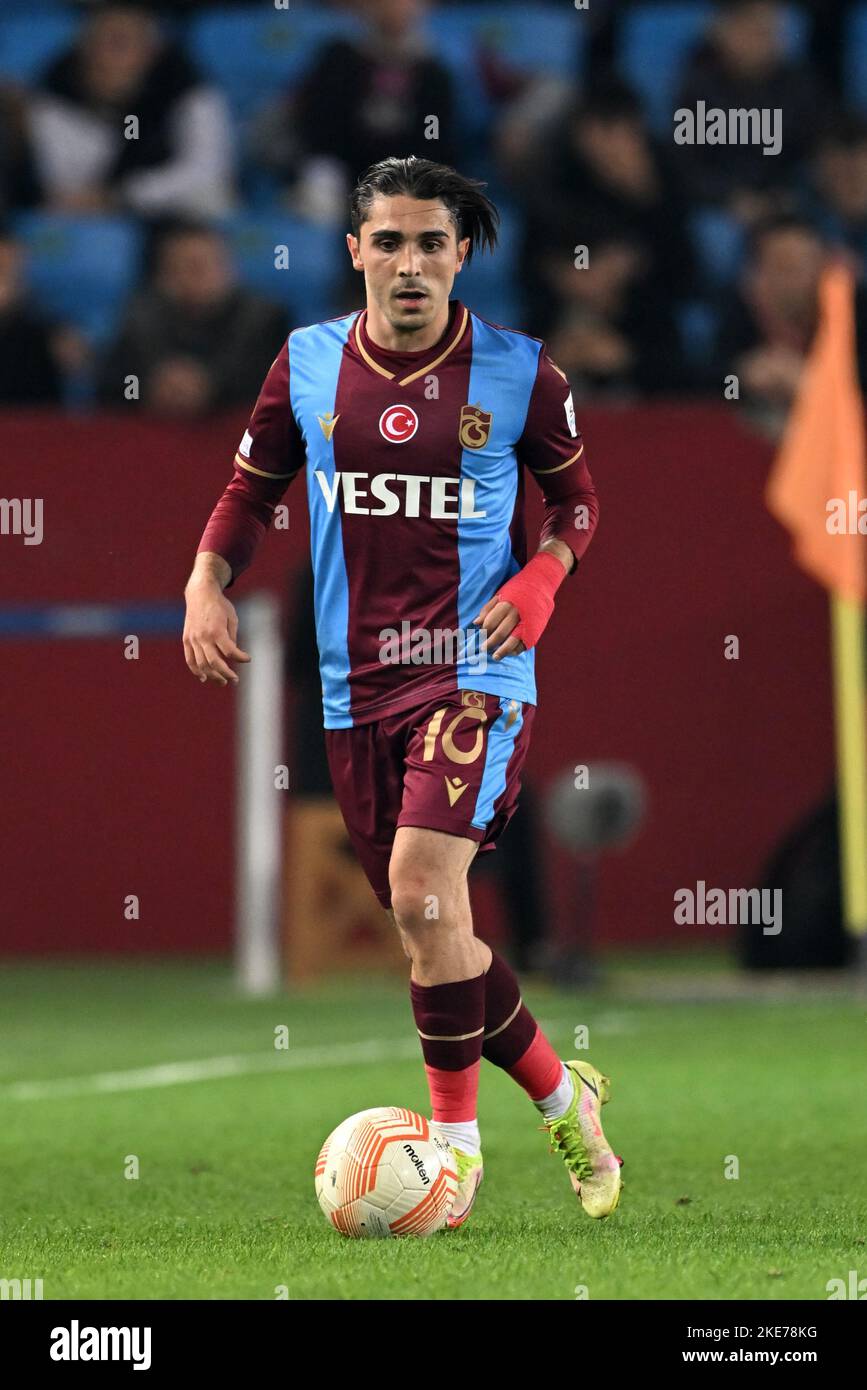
(118, 775)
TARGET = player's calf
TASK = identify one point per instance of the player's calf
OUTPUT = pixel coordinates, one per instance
(431, 910)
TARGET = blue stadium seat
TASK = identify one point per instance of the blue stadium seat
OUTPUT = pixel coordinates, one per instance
(538, 38)
(541, 38)
(81, 269)
(29, 7)
(720, 243)
(830, 226)
(855, 63)
(656, 43)
(27, 46)
(697, 324)
(315, 255)
(490, 285)
(253, 57)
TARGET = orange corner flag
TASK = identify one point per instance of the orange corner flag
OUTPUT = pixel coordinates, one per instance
(817, 487)
(820, 477)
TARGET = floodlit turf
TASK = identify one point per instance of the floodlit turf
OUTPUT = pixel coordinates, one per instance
(224, 1206)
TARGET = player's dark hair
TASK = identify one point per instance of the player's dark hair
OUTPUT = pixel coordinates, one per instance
(473, 214)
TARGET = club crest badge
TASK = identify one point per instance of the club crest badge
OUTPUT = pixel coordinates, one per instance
(474, 426)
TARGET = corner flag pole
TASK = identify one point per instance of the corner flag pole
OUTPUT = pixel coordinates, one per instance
(850, 716)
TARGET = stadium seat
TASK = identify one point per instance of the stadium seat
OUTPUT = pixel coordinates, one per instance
(28, 45)
(540, 38)
(838, 234)
(719, 241)
(697, 324)
(254, 57)
(670, 32)
(81, 269)
(26, 7)
(543, 38)
(315, 258)
(855, 63)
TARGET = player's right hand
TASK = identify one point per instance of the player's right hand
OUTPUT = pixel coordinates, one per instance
(210, 630)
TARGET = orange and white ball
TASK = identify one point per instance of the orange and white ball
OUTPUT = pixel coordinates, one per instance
(386, 1172)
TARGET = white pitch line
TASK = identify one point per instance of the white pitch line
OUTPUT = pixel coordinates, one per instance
(213, 1068)
(216, 1068)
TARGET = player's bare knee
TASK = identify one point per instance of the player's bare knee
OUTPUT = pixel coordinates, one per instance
(411, 909)
(418, 905)
(404, 941)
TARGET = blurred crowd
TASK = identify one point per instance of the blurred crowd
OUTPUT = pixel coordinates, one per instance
(701, 261)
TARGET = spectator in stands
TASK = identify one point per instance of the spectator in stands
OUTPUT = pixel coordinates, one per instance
(177, 160)
(743, 64)
(602, 168)
(19, 185)
(768, 326)
(29, 373)
(363, 99)
(615, 333)
(194, 340)
(839, 184)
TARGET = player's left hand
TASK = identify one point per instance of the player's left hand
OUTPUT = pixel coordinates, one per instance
(498, 619)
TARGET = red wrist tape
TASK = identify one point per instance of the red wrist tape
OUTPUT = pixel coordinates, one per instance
(532, 592)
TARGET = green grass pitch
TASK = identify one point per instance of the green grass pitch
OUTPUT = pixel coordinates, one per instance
(702, 1068)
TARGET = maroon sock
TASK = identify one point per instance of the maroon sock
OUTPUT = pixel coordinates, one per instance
(450, 1022)
(513, 1039)
(509, 1025)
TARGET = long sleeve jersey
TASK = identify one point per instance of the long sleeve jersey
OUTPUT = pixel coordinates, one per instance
(415, 465)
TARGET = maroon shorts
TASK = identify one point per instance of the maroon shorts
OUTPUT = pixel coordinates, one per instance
(453, 764)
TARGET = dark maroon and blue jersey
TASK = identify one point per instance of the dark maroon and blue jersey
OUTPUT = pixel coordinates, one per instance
(415, 465)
